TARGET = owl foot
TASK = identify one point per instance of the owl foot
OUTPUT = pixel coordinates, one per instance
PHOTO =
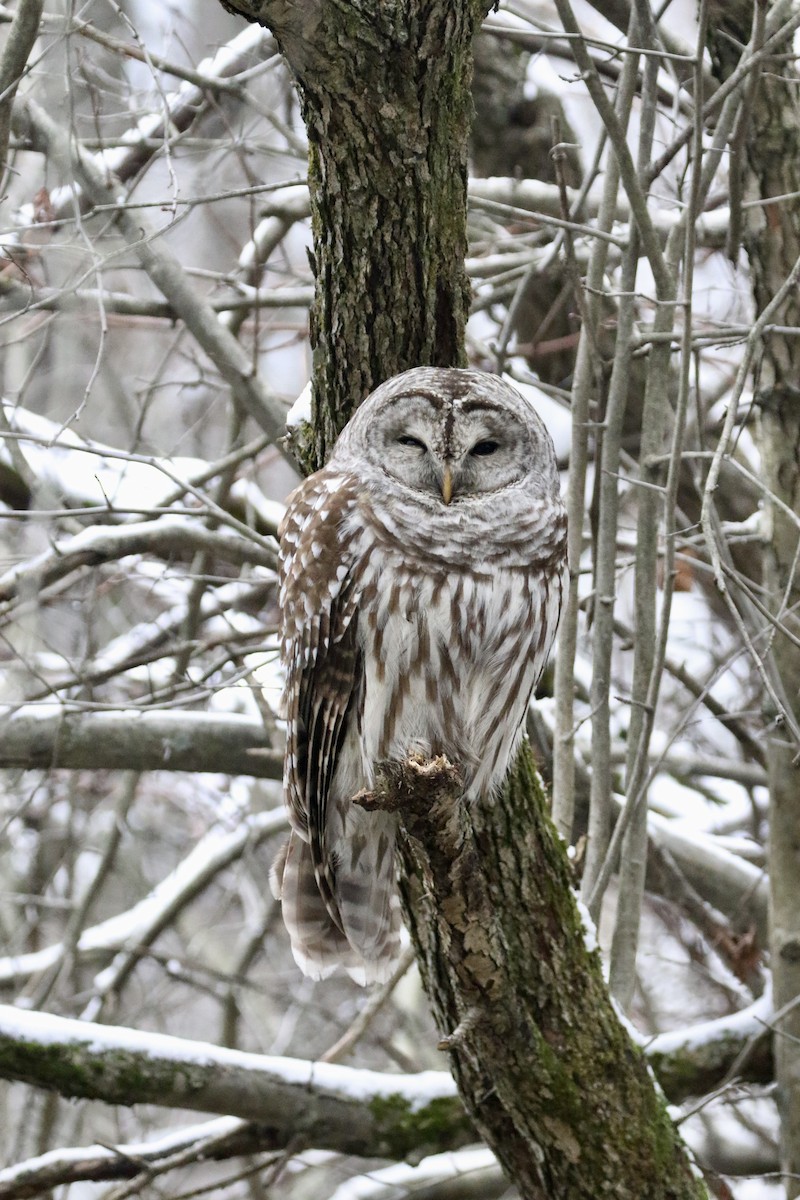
(376, 801)
(414, 784)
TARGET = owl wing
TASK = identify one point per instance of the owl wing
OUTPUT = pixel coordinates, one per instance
(319, 604)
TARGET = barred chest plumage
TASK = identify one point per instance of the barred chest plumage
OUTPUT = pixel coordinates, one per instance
(450, 658)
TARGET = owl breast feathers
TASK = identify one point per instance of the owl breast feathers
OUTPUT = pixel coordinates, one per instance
(422, 573)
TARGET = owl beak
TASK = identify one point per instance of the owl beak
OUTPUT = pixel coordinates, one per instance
(447, 485)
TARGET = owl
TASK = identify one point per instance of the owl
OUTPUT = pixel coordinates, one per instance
(421, 580)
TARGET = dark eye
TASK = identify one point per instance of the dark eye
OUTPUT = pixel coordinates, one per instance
(407, 440)
(482, 449)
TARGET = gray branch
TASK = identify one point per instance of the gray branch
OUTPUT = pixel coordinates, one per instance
(325, 1105)
(169, 537)
(140, 925)
(232, 361)
(40, 736)
(21, 39)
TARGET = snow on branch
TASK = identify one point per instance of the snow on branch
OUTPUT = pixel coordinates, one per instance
(220, 1138)
(166, 537)
(697, 1060)
(86, 473)
(80, 1163)
(327, 1106)
(231, 360)
(142, 923)
(687, 1062)
(474, 1171)
(729, 882)
(177, 113)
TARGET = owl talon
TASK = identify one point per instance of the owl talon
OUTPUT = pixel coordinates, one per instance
(379, 800)
(418, 782)
(367, 800)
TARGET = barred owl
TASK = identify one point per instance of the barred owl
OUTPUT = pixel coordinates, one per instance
(421, 579)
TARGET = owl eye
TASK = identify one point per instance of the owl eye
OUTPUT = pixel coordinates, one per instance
(407, 440)
(483, 449)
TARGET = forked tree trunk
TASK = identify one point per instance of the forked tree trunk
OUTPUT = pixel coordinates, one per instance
(769, 164)
(544, 1067)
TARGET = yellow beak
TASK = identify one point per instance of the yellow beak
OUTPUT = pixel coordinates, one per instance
(447, 485)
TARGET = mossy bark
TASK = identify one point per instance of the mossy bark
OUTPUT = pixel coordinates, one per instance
(767, 164)
(335, 1108)
(548, 1074)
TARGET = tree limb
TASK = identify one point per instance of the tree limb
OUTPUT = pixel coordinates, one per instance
(326, 1105)
(140, 925)
(231, 360)
(36, 736)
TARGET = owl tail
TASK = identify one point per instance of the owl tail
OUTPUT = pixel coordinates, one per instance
(369, 948)
(366, 893)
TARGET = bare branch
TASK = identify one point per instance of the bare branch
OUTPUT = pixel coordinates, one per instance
(140, 925)
(49, 735)
(19, 43)
(166, 537)
(236, 368)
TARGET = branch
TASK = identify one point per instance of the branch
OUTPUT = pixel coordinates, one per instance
(521, 1000)
(19, 44)
(22, 297)
(41, 736)
(140, 925)
(331, 1107)
(470, 1174)
(119, 481)
(231, 360)
(167, 537)
(96, 1163)
(687, 1062)
(730, 883)
(698, 1060)
(147, 137)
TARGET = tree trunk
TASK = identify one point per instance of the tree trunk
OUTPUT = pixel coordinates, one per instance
(385, 95)
(768, 166)
(548, 1074)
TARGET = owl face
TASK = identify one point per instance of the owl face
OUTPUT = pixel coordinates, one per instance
(470, 435)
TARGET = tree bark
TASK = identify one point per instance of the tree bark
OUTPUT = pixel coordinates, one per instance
(544, 1067)
(548, 1074)
(385, 95)
(768, 165)
(46, 736)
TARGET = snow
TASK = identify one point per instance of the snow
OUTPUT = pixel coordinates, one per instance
(89, 473)
(168, 1143)
(328, 1079)
(186, 96)
(300, 411)
(749, 1022)
(403, 1179)
(213, 851)
(589, 927)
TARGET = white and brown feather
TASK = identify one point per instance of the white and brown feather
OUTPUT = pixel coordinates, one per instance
(408, 624)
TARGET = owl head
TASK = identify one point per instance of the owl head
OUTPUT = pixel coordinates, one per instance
(453, 436)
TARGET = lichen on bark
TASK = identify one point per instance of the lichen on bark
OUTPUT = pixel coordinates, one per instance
(548, 1074)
